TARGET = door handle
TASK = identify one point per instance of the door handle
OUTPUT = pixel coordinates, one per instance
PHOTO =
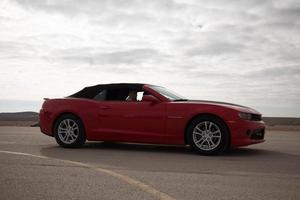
(105, 107)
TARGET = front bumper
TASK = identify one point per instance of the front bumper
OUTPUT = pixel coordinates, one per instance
(245, 132)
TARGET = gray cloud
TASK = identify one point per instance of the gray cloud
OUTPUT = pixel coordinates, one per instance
(270, 74)
(131, 57)
(216, 48)
(287, 72)
(64, 7)
(95, 7)
(13, 49)
(284, 14)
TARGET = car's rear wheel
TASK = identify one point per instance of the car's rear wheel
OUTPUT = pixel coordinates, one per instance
(69, 131)
(208, 135)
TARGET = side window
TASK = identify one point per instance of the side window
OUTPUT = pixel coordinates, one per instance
(117, 95)
(101, 96)
(124, 94)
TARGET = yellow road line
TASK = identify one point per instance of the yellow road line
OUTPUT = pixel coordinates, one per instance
(142, 186)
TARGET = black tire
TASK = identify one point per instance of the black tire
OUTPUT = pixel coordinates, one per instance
(211, 137)
(75, 142)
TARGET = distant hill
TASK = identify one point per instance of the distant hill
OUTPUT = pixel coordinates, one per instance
(286, 121)
(19, 116)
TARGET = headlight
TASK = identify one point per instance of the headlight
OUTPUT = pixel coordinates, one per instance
(246, 116)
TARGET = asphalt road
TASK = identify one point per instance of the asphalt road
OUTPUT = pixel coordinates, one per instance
(32, 166)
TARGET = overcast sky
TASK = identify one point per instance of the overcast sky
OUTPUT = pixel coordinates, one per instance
(239, 51)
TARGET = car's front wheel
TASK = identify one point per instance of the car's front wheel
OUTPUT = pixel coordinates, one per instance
(208, 135)
(69, 131)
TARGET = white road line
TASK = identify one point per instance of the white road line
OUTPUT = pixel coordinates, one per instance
(142, 186)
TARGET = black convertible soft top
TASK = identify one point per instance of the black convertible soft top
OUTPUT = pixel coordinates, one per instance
(91, 91)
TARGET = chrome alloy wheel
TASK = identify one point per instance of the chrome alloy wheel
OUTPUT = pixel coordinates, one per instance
(207, 135)
(68, 131)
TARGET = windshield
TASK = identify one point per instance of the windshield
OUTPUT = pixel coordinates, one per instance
(167, 93)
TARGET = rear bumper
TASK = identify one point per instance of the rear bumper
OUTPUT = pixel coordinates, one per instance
(245, 132)
(45, 122)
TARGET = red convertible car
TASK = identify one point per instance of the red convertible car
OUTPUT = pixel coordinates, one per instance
(146, 113)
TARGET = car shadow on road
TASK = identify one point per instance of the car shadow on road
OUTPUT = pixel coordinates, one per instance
(173, 149)
(135, 148)
(118, 146)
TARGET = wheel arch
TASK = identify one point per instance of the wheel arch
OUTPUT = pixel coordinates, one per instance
(203, 115)
(66, 113)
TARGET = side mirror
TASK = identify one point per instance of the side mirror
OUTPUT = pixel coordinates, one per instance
(150, 98)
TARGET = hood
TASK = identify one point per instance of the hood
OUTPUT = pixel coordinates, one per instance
(237, 107)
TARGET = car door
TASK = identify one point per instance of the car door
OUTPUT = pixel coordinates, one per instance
(135, 121)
